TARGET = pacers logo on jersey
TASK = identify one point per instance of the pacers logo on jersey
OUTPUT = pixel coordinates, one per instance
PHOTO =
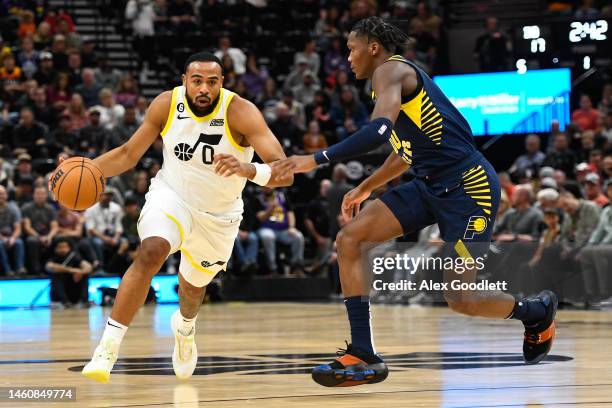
(476, 225)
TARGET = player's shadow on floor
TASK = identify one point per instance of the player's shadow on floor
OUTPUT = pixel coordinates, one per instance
(302, 363)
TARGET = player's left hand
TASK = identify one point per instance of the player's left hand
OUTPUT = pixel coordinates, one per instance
(294, 164)
(227, 165)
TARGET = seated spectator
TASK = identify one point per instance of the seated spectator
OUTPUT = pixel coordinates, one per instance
(89, 56)
(23, 170)
(64, 138)
(10, 237)
(28, 57)
(103, 223)
(341, 81)
(40, 227)
(561, 158)
(42, 111)
(93, 138)
(285, 128)
(73, 40)
(296, 76)
(522, 222)
(335, 58)
(491, 49)
(125, 129)
(310, 55)
(592, 190)
(46, 74)
(29, 135)
(89, 89)
(318, 226)
(59, 48)
(583, 215)
(431, 22)
(70, 225)
(75, 70)
(587, 143)
(349, 115)
(335, 194)
(230, 77)
(607, 166)
(106, 75)
(246, 244)
(586, 117)
(27, 26)
(604, 106)
(314, 140)
(268, 99)
(596, 257)
(277, 224)
(77, 112)
(319, 110)
(43, 37)
(304, 93)
(129, 221)
(425, 43)
(111, 113)
(140, 189)
(127, 94)
(533, 158)
(141, 109)
(59, 93)
(238, 57)
(11, 75)
(69, 276)
(182, 16)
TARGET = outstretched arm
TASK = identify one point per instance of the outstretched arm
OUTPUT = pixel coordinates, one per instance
(387, 82)
(246, 120)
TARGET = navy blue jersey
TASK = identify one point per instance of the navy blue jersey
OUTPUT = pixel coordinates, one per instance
(429, 134)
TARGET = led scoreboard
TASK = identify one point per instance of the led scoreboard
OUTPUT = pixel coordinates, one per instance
(578, 43)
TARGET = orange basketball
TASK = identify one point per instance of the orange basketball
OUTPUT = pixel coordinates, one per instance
(77, 183)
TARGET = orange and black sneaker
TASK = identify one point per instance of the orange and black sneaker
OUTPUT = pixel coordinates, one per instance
(353, 366)
(540, 335)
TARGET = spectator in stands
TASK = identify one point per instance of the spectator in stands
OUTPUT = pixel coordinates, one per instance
(182, 16)
(596, 257)
(607, 166)
(305, 92)
(285, 129)
(296, 109)
(24, 187)
(431, 22)
(533, 158)
(606, 129)
(125, 129)
(561, 158)
(77, 112)
(592, 190)
(522, 221)
(246, 244)
(335, 195)
(105, 75)
(236, 54)
(23, 170)
(40, 226)
(142, 15)
(335, 58)
(111, 113)
(255, 77)
(318, 226)
(69, 276)
(64, 138)
(89, 89)
(314, 140)
(141, 108)
(75, 70)
(54, 16)
(296, 76)
(103, 223)
(586, 117)
(58, 49)
(73, 40)
(348, 114)
(277, 224)
(29, 135)
(28, 57)
(10, 237)
(70, 225)
(586, 10)
(426, 44)
(140, 189)
(43, 37)
(604, 106)
(129, 221)
(127, 94)
(310, 55)
(583, 216)
(319, 109)
(491, 49)
(89, 57)
(93, 138)
(43, 112)
(11, 75)
(230, 78)
(27, 26)
(46, 74)
(60, 93)
(27, 97)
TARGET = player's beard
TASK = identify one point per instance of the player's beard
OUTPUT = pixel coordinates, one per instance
(205, 111)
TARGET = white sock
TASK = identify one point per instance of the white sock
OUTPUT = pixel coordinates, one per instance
(185, 325)
(114, 330)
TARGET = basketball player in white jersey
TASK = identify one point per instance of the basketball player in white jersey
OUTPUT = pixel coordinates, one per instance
(194, 203)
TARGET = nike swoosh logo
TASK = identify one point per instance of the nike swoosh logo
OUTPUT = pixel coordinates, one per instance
(325, 154)
(179, 117)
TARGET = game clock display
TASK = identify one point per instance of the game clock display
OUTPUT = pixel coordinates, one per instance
(567, 42)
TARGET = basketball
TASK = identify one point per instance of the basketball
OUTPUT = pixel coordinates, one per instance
(77, 183)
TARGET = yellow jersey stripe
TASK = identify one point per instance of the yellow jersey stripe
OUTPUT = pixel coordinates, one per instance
(170, 113)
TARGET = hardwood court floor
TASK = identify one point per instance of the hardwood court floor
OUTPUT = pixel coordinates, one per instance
(259, 355)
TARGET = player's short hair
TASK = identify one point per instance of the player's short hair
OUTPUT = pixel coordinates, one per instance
(203, 56)
(389, 36)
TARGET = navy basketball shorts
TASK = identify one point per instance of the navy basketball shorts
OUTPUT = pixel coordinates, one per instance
(464, 206)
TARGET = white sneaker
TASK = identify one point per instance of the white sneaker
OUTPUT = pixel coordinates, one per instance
(102, 362)
(185, 355)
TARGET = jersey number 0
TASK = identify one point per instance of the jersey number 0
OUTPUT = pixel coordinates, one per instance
(184, 152)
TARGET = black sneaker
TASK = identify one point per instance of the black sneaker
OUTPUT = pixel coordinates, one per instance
(353, 366)
(539, 336)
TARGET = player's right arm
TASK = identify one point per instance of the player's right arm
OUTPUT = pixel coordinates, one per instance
(126, 156)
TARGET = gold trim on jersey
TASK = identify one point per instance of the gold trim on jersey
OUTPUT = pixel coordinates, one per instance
(170, 113)
(423, 113)
(476, 185)
(184, 251)
(210, 115)
(226, 123)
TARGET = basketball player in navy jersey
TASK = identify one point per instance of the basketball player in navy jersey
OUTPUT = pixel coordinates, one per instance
(194, 203)
(453, 186)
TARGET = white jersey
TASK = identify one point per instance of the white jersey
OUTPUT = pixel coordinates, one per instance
(190, 142)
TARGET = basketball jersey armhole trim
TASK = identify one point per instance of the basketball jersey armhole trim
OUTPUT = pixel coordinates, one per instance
(211, 114)
(170, 113)
(230, 137)
(419, 87)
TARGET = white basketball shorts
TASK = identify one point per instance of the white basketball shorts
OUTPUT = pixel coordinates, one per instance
(205, 240)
